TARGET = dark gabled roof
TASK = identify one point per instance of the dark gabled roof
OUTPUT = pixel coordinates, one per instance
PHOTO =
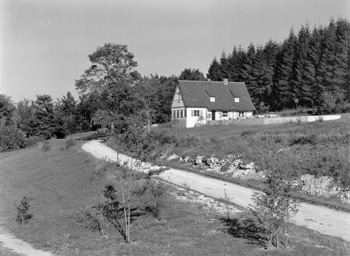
(198, 93)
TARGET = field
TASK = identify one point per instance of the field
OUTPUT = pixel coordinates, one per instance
(61, 183)
(318, 148)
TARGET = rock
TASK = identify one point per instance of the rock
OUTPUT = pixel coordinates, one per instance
(213, 162)
(323, 186)
(188, 159)
(198, 160)
(173, 156)
(246, 174)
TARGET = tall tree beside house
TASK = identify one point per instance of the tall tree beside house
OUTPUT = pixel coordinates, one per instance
(164, 95)
(191, 74)
(111, 64)
(162, 92)
(214, 71)
(111, 74)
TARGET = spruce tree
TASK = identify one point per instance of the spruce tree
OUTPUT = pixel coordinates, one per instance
(214, 71)
(233, 65)
(224, 67)
(281, 93)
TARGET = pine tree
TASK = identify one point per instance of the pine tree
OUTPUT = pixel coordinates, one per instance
(214, 71)
(233, 62)
(244, 65)
(224, 67)
(281, 90)
(303, 70)
(261, 82)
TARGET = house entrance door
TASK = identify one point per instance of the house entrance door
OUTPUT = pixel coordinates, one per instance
(213, 115)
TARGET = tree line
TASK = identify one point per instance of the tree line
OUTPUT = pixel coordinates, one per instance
(309, 69)
(111, 93)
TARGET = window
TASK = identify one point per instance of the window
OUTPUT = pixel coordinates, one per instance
(225, 114)
(236, 99)
(177, 113)
(241, 113)
(173, 113)
(212, 99)
(181, 113)
(196, 113)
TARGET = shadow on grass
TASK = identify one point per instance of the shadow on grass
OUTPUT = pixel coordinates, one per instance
(242, 227)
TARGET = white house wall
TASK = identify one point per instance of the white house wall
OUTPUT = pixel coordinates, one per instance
(249, 114)
(192, 121)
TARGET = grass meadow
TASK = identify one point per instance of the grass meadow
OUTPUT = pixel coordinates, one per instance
(62, 182)
(318, 148)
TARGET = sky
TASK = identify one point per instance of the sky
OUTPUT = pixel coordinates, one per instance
(44, 44)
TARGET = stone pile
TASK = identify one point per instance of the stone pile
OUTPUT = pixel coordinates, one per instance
(234, 166)
(323, 186)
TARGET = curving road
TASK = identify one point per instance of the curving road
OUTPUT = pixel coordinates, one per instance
(324, 220)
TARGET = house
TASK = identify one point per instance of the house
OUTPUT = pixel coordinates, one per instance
(199, 102)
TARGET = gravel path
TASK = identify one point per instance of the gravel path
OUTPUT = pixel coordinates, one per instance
(324, 220)
(18, 246)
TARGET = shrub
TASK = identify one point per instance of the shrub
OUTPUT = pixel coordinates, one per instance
(11, 139)
(302, 140)
(125, 198)
(274, 208)
(32, 141)
(159, 192)
(23, 214)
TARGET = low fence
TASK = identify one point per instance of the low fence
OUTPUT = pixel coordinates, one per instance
(275, 120)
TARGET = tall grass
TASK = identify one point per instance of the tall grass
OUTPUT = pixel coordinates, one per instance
(319, 148)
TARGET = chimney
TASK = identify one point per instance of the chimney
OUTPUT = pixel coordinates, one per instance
(225, 81)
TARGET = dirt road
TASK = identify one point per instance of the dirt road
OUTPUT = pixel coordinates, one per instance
(18, 246)
(321, 219)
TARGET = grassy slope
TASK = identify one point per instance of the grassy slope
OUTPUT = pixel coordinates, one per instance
(327, 153)
(62, 182)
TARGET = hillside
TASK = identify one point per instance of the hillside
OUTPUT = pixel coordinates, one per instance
(62, 182)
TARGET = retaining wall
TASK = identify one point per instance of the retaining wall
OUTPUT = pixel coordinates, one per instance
(275, 120)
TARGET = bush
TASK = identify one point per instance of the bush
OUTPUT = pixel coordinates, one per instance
(274, 208)
(11, 139)
(23, 214)
(302, 140)
(33, 141)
